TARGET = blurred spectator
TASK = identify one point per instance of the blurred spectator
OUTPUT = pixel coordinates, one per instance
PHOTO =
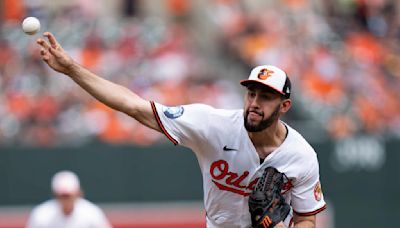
(130, 8)
(68, 209)
(92, 51)
(180, 9)
(12, 10)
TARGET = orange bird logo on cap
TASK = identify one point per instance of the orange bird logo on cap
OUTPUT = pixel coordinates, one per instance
(265, 73)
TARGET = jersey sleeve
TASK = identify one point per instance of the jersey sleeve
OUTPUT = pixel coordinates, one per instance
(184, 125)
(307, 196)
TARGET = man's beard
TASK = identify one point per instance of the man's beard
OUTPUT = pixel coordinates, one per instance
(264, 124)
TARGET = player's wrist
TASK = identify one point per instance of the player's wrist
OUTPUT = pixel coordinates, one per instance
(73, 69)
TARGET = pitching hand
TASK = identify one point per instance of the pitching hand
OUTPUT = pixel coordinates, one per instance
(54, 55)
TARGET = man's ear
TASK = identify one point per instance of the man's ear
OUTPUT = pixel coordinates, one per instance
(285, 105)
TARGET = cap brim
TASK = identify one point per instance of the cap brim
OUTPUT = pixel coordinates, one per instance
(249, 81)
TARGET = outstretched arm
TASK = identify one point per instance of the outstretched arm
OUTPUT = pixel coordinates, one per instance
(113, 95)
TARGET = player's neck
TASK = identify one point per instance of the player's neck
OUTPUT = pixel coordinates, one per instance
(269, 139)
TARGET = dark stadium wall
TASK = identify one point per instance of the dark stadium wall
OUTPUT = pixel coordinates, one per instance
(360, 176)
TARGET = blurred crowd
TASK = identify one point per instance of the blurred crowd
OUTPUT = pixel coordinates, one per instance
(343, 57)
(152, 57)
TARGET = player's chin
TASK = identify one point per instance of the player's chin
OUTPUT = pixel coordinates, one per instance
(254, 119)
(252, 123)
(252, 127)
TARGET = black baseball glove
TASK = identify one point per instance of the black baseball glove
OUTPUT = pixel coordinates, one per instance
(266, 204)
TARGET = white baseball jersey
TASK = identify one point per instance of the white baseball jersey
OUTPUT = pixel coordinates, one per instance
(85, 215)
(231, 166)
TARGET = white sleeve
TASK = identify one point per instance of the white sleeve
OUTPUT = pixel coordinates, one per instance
(186, 124)
(307, 197)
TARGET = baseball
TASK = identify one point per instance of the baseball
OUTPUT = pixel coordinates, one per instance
(31, 25)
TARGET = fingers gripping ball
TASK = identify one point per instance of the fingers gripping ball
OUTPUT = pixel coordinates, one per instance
(31, 25)
(266, 204)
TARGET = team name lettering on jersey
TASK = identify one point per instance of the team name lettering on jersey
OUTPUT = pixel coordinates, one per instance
(230, 181)
(233, 182)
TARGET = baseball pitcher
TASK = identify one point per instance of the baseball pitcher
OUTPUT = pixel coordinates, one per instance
(257, 170)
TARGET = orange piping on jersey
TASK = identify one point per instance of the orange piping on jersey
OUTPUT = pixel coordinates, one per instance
(153, 106)
(312, 212)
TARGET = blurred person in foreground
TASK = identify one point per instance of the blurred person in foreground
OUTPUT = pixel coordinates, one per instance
(68, 209)
(233, 147)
